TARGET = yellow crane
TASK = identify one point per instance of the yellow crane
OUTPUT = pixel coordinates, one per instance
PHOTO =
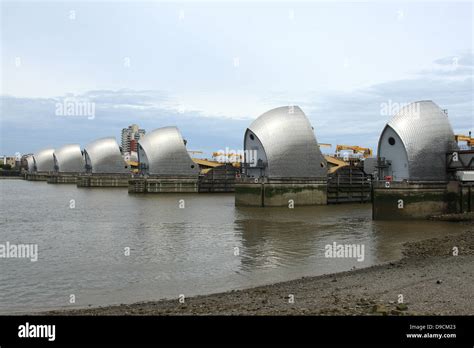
(467, 138)
(364, 151)
(235, 157)
(228, 155)
(334, 163)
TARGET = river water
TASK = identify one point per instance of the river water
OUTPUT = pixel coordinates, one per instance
(178, 244)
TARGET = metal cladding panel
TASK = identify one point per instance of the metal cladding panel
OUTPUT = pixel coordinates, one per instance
(69, 159)
(103, 155)
(166, 154)
(31, 164)
(427, 136)
(44, 160)
(289, 143)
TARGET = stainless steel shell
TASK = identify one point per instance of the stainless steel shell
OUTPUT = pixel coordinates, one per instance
(104, 156)
(427, 136)
(44, 161)
(69, 159)
(163, 152)
(30, 161)
(288, 146)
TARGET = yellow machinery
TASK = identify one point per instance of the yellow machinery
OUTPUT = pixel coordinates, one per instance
(334, 163)
(133, 166)
(467, 138)
(228, 156)
(206, 165)
(364, 151)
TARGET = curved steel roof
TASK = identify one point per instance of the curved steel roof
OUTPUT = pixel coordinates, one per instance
(44, 160)
(30, 160)
(289, 144)
(69, 159)
(427, 136)
(104, 156)
(164, 153)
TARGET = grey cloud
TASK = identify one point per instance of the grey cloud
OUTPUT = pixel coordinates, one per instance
(466, 59)
(336, 116)
(357, 117)
(32, 123)
(125, 97)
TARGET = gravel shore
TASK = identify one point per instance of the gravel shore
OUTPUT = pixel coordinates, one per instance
(431, 280)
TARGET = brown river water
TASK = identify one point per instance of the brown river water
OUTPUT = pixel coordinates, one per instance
(83, 237)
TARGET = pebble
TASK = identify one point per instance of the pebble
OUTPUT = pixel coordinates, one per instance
(402, 307)
(379, 308)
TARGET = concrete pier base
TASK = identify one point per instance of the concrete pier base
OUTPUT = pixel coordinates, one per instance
(163, 185)
(62, 179)
(103, 180)
(349, 184)
(466, 198)
(279, 193)
(37, 176)
(413, 200)
(218, 179)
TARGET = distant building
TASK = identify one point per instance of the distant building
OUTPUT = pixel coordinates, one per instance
(130, 137)
(8, 160)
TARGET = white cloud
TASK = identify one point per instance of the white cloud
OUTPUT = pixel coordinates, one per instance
(216, 120)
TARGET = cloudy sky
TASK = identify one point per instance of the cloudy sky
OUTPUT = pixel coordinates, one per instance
(212, 68)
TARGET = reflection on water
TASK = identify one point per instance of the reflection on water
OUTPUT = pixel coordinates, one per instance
(209, 246)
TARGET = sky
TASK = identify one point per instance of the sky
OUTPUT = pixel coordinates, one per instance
(211, 68)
